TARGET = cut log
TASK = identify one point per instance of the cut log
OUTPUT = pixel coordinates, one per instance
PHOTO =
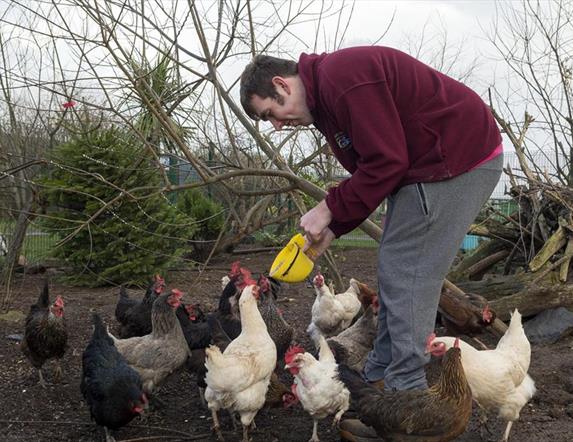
(553, 244)
(483, 251)
(534, 300)
(564, 270)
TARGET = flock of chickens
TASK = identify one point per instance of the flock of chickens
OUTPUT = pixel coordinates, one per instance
(238, 351)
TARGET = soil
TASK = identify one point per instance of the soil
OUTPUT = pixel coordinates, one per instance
(29, 412)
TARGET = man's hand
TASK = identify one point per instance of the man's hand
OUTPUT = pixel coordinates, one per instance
(317, 234)
(315, 221)
(314, 249)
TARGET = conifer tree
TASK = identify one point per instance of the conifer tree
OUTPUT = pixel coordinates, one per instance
(135, 237)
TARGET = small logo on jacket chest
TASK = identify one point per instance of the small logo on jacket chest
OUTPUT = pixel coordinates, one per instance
(342, 140)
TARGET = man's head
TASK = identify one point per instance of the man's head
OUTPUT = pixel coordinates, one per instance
(271, 90)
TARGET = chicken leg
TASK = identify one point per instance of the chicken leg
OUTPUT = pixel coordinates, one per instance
(216, 427)
(314, 437)
(108, 436)
(41, 377)
(246, 433)
(58, 371)
(507, 430)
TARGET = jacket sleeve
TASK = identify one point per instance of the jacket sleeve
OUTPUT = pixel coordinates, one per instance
(367, 113)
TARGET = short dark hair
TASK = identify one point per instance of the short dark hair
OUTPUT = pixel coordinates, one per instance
(257, 79)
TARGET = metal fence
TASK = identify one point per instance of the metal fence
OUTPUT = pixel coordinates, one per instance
(37, 246)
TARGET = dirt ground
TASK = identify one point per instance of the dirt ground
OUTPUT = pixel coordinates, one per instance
(29, 412)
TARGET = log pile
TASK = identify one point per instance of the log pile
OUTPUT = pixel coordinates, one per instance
(525, 262)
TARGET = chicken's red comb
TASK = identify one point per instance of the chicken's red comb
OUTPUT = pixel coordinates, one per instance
(264, 283)
(59, 302)
(235, 269)
(292, 351)
(159, 279)
(457, 343)
(430, 339)
(177, 293)
(318, 280)
(486, 314)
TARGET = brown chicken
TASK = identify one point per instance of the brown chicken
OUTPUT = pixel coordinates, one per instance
(439, 413)
(464, 315)
(45, 334)
(157, 355)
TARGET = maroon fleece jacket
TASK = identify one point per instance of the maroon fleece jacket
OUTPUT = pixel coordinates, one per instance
(391, 120)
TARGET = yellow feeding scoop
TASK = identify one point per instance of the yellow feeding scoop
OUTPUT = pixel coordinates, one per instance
(292, 264)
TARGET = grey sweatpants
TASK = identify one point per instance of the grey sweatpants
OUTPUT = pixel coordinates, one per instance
(425, 226)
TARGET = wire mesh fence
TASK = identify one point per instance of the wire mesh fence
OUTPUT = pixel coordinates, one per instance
(39, 243)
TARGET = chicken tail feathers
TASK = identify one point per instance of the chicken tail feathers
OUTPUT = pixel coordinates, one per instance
(100, 330)
(44, 298)
(123, 296)
(339, 351)
(218, 335)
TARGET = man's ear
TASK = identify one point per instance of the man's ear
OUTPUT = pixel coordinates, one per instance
(281, 83)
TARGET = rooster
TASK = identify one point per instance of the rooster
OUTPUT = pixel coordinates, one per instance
(331, 313)
(498, 378)
(440, 413)
(238, 378)
(45, 334)
(135, 316)
(111, 388)
(164, 350)
(316, 384)
(468, 315)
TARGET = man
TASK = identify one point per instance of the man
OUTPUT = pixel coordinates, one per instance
(406, 133)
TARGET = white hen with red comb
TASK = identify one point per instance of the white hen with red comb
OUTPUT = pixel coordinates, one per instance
(498, 378)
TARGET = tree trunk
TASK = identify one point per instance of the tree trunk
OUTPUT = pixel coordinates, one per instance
(14, 250)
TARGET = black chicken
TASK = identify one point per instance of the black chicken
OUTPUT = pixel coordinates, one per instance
(111, 388)
(45, 334)
(135, 316)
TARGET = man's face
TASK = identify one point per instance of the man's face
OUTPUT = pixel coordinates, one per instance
(289, 109)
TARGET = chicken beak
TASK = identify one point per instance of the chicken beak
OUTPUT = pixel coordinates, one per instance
(287, 366)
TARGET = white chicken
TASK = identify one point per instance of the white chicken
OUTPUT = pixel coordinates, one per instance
(238, 379)
(316, 384)
(332, 313)
(498, 378)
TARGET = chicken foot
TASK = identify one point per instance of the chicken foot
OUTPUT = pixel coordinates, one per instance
(202, 397)
(246, 433)
(108, 436)
(483, 420)
(314, 437)
(507, 430)
(58, 371)
(41, 377)
(216, 427)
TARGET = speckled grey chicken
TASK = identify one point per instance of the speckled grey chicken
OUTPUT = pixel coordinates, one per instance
(353, 344)
(164, 350)
(281, 332)
(45, 333)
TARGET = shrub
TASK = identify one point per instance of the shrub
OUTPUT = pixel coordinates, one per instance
(209, 216)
